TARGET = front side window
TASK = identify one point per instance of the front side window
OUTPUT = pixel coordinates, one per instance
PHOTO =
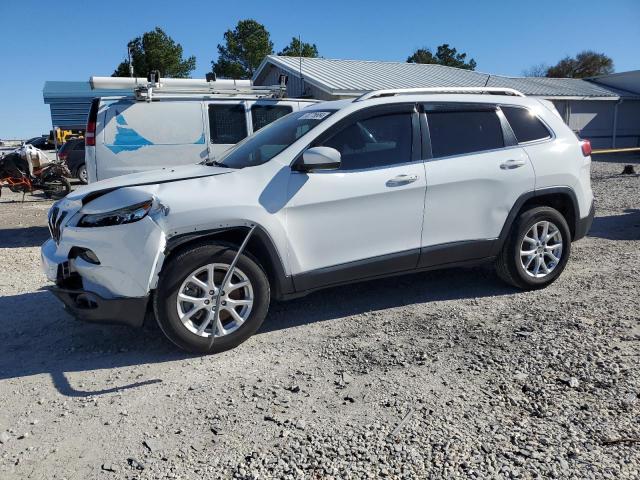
(263, 115)
(374, 142)
(262, 146)
(525, 124)
(227, 123)
(463, 132)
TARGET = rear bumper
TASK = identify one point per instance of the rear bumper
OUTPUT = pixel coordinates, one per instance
(584, 224)
(91, 307)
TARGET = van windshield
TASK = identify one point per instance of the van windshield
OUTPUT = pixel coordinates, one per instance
(269, 141)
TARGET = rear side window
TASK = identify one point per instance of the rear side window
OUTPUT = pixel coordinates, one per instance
(461, 132)
(374, 142)
(227, 123)
(263, 115)
(525, 124)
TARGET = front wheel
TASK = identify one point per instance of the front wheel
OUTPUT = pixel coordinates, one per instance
(537, 249)
(187, 291)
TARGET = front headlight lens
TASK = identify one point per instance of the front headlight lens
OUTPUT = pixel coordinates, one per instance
(117, 217)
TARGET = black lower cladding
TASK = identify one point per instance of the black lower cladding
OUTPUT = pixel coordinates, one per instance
(583, 225)
(426, 258)
(91, 307)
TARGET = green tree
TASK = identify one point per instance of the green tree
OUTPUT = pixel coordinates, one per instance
(155, 50)
(299, 49)
(585, 64)
(245, 47)
(444, 55)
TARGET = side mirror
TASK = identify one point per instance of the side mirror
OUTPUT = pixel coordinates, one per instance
(320, 158)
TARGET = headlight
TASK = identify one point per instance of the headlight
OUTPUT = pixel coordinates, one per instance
(117, 217)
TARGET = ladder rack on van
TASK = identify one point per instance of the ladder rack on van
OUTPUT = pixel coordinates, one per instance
(145, 90)
(435, 90)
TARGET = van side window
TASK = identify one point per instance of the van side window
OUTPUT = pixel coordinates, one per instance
(263, 115)
(374, 142)
(525, 124)
(461, 132)
(227, 123)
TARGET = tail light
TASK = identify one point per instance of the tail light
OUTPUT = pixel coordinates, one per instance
(90, 134)
(62, 155)
(586, 147)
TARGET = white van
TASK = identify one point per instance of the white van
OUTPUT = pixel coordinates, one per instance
(179, 122)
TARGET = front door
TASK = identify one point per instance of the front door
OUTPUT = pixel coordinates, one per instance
(365, 218)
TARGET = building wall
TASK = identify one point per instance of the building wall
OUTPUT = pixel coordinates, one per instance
(628, 131)
(296, 87)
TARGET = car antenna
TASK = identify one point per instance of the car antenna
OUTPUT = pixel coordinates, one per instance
(225, 280)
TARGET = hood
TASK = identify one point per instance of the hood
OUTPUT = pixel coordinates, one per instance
(169, 174)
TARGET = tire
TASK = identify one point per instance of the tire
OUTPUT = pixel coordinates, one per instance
(62, 185)
(520, 270)
(81, 174)
(175, 279)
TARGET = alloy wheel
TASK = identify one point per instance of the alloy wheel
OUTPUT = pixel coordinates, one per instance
(196, 300)
(541, 249)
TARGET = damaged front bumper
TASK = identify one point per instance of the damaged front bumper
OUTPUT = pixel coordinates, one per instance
(116, 288)
(91, 307)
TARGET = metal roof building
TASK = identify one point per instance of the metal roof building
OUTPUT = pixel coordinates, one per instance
(70, 101)
(604, 109)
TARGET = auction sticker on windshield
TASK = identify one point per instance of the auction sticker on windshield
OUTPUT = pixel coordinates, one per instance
(314, 115)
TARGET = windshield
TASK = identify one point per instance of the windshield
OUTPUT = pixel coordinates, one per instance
(269, 141)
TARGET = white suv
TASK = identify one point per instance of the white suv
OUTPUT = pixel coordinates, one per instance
(389, 183)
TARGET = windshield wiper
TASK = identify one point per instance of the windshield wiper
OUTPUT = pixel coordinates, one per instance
(214, 163)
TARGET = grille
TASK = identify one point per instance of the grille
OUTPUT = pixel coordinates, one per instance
(55, 221)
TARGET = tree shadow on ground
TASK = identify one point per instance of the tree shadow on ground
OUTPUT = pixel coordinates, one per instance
(38, 337)
(617, 227)
(23, 237)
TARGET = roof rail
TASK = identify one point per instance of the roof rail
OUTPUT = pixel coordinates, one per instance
(410, 91)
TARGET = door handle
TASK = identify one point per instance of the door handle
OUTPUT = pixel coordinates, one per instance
(511, 164)
(401, 180)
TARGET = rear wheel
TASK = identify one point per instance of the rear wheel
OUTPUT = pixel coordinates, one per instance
(537, 249)
(186, 298)
(56, 186)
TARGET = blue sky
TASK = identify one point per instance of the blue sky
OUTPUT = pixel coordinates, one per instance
(41, 40)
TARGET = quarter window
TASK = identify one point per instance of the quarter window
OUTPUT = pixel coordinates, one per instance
(227, 123)
(374, 142)
(263, 115)
(461, 132)
(525, 124)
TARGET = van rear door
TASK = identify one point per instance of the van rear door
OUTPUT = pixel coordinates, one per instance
(140, 136)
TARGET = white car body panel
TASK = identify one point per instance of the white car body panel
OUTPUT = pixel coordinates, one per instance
(475, 191)
(338, 217)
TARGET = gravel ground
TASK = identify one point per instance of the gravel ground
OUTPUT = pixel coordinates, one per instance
(441, 374)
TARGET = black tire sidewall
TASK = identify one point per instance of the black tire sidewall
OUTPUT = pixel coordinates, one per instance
(525, 222)
(183, 265)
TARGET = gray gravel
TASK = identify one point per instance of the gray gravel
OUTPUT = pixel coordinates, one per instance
(442, 374)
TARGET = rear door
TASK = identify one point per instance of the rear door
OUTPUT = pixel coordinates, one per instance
(228, 125)
(474, 176)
